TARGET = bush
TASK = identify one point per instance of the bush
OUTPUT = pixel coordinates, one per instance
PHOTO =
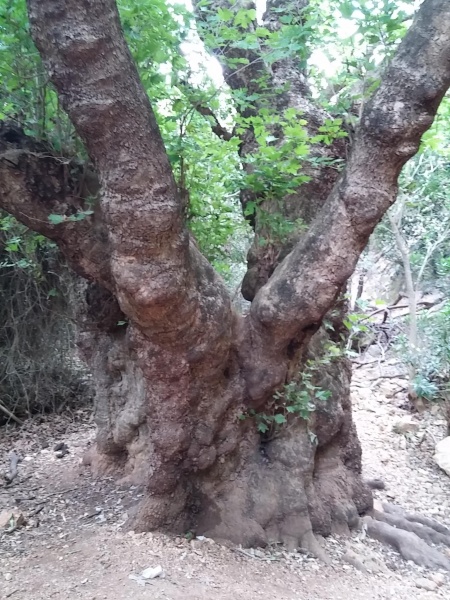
(39, 369)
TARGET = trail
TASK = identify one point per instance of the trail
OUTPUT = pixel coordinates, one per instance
(74, 545)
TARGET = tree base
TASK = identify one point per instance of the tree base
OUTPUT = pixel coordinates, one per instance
(284, 491)
(176, 432)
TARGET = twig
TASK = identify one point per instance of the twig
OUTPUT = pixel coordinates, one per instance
(37, 510)
(66, 491)
(9, 414)
(394, 307)
(427, 432)
(245, 553)
(217, 127)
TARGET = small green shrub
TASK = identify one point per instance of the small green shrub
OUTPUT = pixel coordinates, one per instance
(297, 399)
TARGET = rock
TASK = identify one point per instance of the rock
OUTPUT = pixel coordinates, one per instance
(356, 561)
(442, 455)
(11, 519)
(426, 584)
(388, 389)
(7, 576)
(378, 505)
(438, 578)
(196, 544)
(137, 578)
(152, 572)
(369, 563)
(61, 449)
(376, 484)
(406, 425)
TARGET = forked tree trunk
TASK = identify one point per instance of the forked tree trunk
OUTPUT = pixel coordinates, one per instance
(174, 427)
(173, 363)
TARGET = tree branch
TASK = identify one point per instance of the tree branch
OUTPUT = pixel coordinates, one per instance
(35, 184)
(305, 286)
(163, 284)
(280, 84)
(84, 50)
(216, 126)
(409, 282)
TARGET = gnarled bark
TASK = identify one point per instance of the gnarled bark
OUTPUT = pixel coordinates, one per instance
(174, 374)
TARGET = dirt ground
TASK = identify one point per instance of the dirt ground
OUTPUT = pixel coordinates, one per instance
(74, 544)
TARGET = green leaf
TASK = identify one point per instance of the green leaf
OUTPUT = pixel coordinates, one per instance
(224, 14)
(279, 419)
(244, 17)
(346, 9)
(56, 219)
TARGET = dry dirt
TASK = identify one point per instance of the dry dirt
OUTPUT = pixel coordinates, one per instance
(74, 544)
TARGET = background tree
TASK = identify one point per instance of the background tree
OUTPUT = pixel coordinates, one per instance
(415, 242)
(175, 366)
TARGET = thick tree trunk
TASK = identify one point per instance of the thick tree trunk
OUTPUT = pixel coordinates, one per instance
(174, 365)
(168, 417)
(176, 431)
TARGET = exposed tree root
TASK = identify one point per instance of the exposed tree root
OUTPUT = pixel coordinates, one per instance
(396, 510)
(376, 484)
(411, 535)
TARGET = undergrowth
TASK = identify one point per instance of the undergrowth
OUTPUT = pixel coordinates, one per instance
(39, 370)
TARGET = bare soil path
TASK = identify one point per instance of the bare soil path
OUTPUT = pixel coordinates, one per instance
(75, 546)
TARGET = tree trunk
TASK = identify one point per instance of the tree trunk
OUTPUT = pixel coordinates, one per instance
(176, 430)
(411, 292)
(175, 366)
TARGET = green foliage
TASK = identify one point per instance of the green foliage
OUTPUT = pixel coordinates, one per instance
(358, 325)
(19, 245)
(26, 95)
(207, 171)
(275, 169)
(351, 43)
(155, 32)
(431, 358)
(425, 209)
(297, 399)
(78, 216)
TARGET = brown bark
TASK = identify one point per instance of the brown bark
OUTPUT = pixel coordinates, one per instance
(172, 381)
(29, 171)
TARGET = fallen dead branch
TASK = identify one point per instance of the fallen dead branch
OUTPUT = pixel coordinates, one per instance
(10, 415)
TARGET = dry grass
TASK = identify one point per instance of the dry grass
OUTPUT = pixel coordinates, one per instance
(39, 369)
